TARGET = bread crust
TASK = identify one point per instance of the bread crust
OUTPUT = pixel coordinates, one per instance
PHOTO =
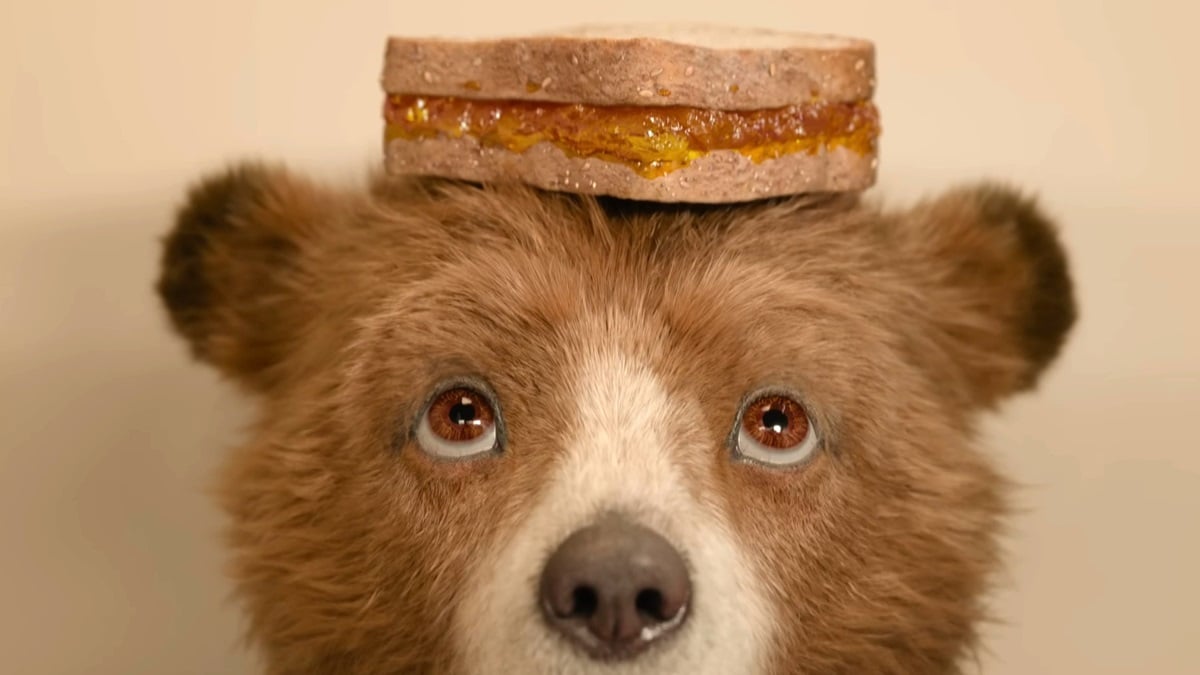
(636, 71)
(722, 176)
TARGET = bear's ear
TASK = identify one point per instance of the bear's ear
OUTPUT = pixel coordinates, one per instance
(235, 276)
(994, 287)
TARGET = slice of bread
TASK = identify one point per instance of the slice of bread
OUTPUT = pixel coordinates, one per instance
(698, 114)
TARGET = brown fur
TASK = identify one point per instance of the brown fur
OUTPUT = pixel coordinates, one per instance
(345, 310)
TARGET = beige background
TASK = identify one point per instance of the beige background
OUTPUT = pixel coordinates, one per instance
(108, 435)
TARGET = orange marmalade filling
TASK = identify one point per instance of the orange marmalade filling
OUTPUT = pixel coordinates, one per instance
(653, 141)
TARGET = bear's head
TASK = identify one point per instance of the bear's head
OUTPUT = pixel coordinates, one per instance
(508, 431)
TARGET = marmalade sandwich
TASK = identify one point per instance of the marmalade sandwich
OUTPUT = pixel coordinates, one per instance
(690, 115)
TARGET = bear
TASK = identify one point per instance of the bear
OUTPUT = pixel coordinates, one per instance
(503, 430)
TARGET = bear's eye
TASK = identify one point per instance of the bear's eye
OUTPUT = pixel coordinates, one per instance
(775, 429)
(459, 422)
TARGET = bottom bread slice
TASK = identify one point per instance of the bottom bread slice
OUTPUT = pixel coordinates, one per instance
(722, 176)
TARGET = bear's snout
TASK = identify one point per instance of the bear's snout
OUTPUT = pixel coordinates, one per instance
(615, 587)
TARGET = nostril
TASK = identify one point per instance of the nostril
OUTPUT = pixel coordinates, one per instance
(584, 602)
(649, 602)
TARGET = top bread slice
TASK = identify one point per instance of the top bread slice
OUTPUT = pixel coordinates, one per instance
(695, 66)
(707, 68)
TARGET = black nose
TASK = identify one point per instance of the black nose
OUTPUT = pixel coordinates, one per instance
(615, 587)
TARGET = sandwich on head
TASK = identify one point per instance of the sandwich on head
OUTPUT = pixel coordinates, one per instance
(689, 115)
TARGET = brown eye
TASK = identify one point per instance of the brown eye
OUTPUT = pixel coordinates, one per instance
(775, 429)
(459, 422)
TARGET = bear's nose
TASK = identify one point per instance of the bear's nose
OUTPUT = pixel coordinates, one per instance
(615, 587)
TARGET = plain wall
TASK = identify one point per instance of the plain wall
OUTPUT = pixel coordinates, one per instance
(110, 560)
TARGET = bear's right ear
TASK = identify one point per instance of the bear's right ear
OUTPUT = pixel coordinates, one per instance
(995, 287)
(236, 278)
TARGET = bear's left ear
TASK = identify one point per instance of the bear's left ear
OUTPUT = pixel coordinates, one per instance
(239, 277)
(994, 287)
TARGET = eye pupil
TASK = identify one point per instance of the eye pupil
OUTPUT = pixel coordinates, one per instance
(463, 412)
(775, 420)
